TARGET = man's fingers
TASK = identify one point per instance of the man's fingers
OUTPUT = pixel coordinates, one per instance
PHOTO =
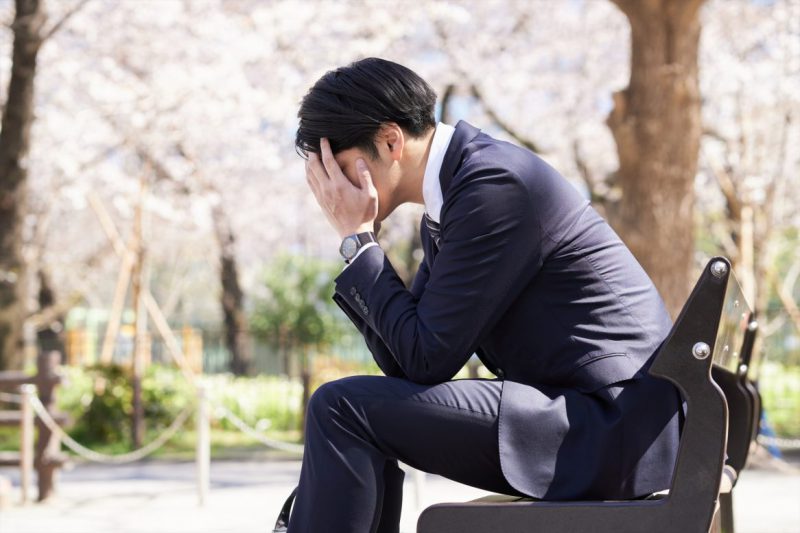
(364, 177)
(311, 179)
(316, 167)
(311, 176)
(331, 166)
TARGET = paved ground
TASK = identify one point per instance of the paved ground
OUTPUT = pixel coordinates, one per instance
(161, 497)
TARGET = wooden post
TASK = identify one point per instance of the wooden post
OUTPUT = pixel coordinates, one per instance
(746, 263)
(48, 445)
(203, 445)
(117, 305)
(159, 320)
(140, 318)
(26, 448)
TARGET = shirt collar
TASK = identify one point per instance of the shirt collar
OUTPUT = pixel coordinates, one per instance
(431, 188)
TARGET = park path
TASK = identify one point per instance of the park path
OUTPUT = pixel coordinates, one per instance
(161, 497)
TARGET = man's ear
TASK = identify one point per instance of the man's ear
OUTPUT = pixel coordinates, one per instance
(392, 139)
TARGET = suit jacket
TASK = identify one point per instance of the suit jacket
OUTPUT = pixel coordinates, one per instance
(528, 276)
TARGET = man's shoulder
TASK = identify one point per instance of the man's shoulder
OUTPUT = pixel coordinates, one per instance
(487, 160)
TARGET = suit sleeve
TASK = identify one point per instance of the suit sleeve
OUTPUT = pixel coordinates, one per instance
(490, 249)
(380, 352)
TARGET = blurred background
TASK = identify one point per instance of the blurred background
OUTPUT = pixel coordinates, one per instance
(153, 209)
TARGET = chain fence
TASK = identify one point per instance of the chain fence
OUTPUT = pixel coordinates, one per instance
(219, 412)
(91, 455)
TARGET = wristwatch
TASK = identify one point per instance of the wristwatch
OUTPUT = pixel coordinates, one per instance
(352, 243)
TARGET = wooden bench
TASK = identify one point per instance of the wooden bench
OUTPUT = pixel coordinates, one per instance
(47, 456)
(711, 331)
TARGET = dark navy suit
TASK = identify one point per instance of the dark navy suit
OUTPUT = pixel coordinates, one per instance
(523, 272)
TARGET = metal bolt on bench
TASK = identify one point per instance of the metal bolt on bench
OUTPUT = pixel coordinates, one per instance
(715, 330)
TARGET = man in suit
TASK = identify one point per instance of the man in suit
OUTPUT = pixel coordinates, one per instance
(518, 269)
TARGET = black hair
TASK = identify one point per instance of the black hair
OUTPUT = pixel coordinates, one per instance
(350, 104)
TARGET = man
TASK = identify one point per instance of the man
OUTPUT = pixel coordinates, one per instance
(518, 269)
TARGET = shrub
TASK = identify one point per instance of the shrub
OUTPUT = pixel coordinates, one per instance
(99, 400)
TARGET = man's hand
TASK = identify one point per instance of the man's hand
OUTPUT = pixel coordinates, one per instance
(349, 208)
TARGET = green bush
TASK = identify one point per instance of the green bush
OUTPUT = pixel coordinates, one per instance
(99, 400)
(297, 309)
(106, 418)
(267, 403)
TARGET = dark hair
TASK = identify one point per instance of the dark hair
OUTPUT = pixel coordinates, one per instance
(350, 104)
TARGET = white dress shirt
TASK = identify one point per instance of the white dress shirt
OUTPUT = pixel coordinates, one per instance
(431, 188)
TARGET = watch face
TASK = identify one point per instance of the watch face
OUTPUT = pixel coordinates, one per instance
(349, 247)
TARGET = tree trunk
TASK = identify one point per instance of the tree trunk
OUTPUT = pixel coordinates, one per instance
(14, 146)
(234, 318)
(50, 334)
(656, 125)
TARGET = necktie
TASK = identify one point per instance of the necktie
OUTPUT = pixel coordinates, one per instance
(433, 229)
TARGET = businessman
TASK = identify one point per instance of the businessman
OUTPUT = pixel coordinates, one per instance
(518, 269)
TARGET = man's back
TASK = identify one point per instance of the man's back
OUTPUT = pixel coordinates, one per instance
(581, 299)
(559, 309)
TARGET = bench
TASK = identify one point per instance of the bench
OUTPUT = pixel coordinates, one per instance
(47, 455)
(712, 331)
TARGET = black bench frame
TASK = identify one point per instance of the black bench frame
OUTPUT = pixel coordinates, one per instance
(710, 323)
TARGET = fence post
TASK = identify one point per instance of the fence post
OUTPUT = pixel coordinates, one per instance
(203, 444)
(26, 445)
(48, 444)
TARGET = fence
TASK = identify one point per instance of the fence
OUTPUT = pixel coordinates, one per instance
(205, 350)
(47, 457)
(205, 411)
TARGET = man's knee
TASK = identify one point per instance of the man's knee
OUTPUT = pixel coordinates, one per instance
(331, 397)
(323, 398)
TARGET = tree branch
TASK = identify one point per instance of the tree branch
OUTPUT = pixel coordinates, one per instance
(445, 102)
(478, 94)
(596, 192)
(788, 302)
(524, 141)
(727, 186)
(42, 318)
(63, 20)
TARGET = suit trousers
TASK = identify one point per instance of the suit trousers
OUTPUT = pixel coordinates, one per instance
(358, 428)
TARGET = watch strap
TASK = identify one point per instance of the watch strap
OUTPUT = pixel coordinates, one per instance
(365, 237)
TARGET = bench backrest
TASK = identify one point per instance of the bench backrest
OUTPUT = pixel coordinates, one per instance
(751, 361)
(750, 358)
(710, 321)
(744, 400)
(735, 339)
